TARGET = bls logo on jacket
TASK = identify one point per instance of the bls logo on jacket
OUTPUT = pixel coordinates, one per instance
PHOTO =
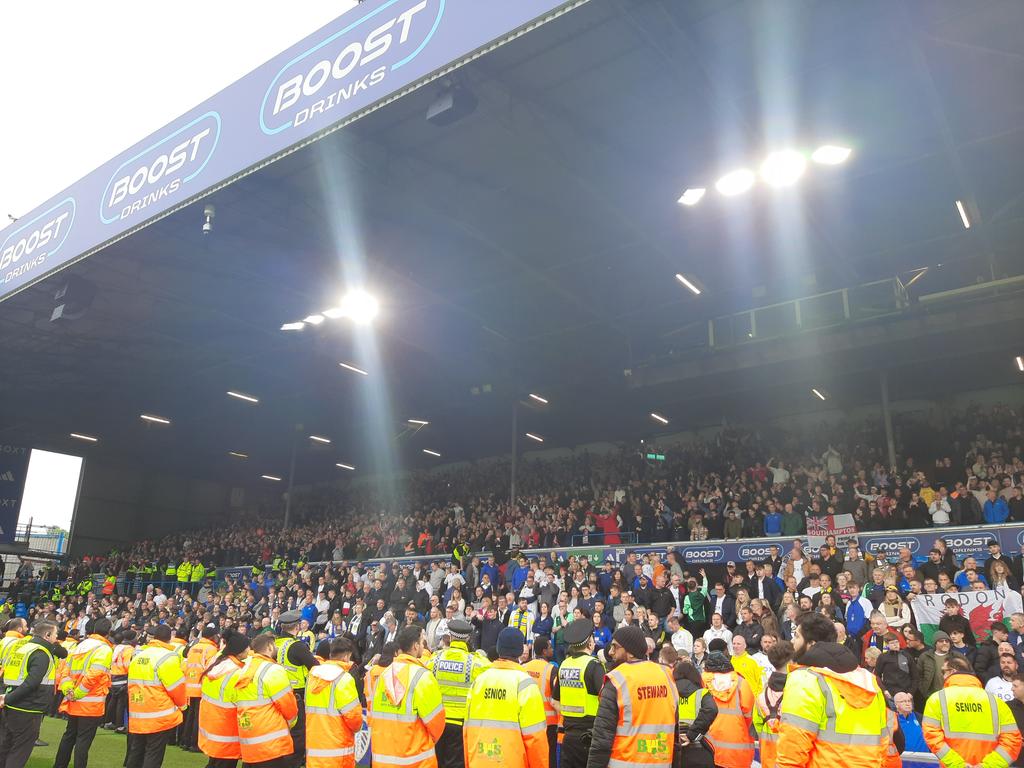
(490, 750)
(244, 721)
(655, 745)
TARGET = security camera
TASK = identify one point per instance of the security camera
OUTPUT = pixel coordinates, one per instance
(208, 213)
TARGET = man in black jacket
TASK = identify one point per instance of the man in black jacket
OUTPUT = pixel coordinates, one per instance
(953, 620)
(25, 703)
(986, 662)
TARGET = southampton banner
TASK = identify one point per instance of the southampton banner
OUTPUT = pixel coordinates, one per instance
(981, 609)
(820, 528)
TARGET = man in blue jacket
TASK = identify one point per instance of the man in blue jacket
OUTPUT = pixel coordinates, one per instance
(910, 723)
(995, 509)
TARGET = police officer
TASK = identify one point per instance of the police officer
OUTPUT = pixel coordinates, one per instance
(29, 677)
(579, 683)
(297, 658)
(456, 669)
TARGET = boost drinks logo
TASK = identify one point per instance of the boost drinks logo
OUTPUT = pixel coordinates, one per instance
(350, 62)
(891, 545)
(161, 169)
(698, 555)
(28, 245)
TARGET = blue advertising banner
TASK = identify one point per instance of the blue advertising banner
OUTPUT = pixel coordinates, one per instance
(964, 541)
(374, 53)
(13, 471)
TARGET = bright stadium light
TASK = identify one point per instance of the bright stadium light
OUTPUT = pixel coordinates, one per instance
(293, 326)
(333, 313)
(659, 418)
(682, 279)
(349, 467)
(360, 307)
(783, 168)
(818, 394)
(830, 154)
(238, 454)
(432, 453)
(963, 214)
(538, 398)
(354, 369)
(243, 396)
(154, 419)
(318, 439)
(418, 422)
(91, 439)
(275, 478)
(692, 196)
(314, 319)
(535, 438)
(735, 182)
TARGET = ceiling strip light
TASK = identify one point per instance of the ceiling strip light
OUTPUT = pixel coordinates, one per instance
(963, 214)
(431, 453)
(293, 326)
(682, 279)
(275, 478)
(538, 398)
(352, 368)
(91, 439)
(243, 396)
(318, 439)
(418, 422)
(1020, 362)
(349, 467)
(818, 394)
(238, 455)
(154, 419)
(659, 417)
(532, 436)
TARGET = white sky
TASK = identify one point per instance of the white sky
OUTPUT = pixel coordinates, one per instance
(84, 81)
(51, 489)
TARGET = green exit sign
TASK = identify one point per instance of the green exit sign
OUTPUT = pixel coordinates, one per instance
(655, 456)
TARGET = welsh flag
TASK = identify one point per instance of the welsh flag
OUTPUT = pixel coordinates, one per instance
(840, 526)
(981, 609)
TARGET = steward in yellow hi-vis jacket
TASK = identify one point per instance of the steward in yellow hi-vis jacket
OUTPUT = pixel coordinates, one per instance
(964, 725)
(505, 720)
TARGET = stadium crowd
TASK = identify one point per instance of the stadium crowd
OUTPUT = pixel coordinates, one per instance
(311, 587)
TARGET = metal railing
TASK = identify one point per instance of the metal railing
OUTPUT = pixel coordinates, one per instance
(809, 313)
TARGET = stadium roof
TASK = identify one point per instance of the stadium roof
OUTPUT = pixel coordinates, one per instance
(531, 246)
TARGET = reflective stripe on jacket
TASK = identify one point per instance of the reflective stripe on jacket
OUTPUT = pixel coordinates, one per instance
(766, 724)
(505, 720)
(333, 716)
(832, 719)
(156, 689)
(265, 707)
(540, 670)
(572, 687)
(88, 678)
(13, 655)
(963, 724)
(648, 712)
(297, 675)
(120, 660)
(456, 669)
(407, 716)
(16, 671)
(198, 659)
(218, 723)
(730, 733)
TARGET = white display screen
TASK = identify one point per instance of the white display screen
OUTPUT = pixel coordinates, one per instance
(51, 490)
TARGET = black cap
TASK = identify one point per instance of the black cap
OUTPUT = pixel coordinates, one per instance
(577, 632)
(460, 629)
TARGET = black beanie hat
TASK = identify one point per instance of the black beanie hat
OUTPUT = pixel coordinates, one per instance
(632, 641)
(235, 644)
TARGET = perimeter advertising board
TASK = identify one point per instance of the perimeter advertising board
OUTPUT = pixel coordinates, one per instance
(374, 53)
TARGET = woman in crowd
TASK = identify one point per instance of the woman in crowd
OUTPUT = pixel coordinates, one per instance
(544, 625)
(700, 653)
